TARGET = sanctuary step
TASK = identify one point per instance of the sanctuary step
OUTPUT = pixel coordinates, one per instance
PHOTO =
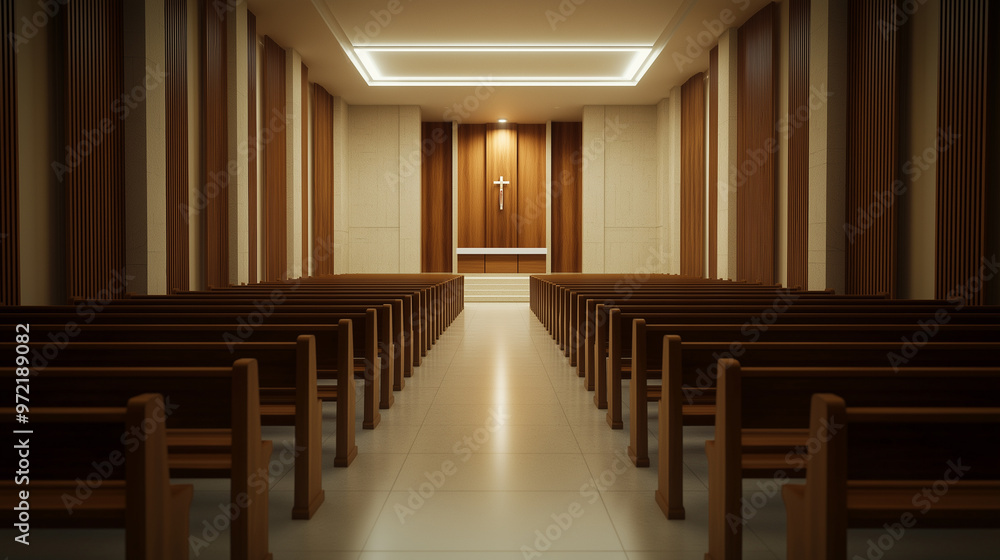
(496, 287)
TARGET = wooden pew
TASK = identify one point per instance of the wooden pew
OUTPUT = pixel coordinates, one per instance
(685, 363)
(212, 426)
(396, 338)
(327, 340)
(289, 397)
(762, 420)
(860, 481)
(667, 325)
(233, 324)
(138, 497)
(242, 308)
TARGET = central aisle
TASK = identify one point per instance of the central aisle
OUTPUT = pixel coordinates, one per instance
(493, 450)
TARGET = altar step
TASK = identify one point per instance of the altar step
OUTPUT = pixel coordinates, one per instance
(496, 287)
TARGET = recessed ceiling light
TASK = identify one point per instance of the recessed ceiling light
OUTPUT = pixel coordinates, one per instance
(502, 120)
(544, 65)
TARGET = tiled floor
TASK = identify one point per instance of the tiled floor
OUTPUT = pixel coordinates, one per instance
(495, 451)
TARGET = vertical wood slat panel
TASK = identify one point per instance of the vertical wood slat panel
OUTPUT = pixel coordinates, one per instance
(273, 231)
(323, 226)
(501, 160)
(530, 185)
(693, 176)
(962, 168)
(567, 197)
(305, 171)
(798, 143)
(757, 85)
(872, 141)
(713, 163)
(215, 147)
(471, 185)
(435, 204)
(252, 144)
(177, 145)
(10, 281)
(95, 194)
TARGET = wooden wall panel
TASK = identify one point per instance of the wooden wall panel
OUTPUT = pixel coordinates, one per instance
(962, 169)
(216, 147)
(693, 176)
(502, 264)
(798, 143)
(305, 171)
(567, 197)
(471, 185)
(95, 194)
(435, 195)
(501, 161)
(471, 264)
(531, 185)
(178, 264)
(757, 86)
(252, 143)
(872, 140)
(531, 264)
(713, 163)
(10, 281)
(323, 200)
(274, 234)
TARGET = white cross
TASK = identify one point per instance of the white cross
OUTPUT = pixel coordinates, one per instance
(501, 182)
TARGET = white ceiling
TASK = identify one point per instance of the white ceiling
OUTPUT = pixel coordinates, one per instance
(679, 33)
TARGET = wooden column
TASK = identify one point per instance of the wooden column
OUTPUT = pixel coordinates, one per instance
(178, 252)
(10, 282)
(757, 154)
(216, 148)
(713, 163)
(567, 197)
(435, 194)
(323, 199)
(693, 176)
(252, 181)
(471, 189)
(274, 232)
(962, 183)
(872, 148)
(798, 143)
(93, 171)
